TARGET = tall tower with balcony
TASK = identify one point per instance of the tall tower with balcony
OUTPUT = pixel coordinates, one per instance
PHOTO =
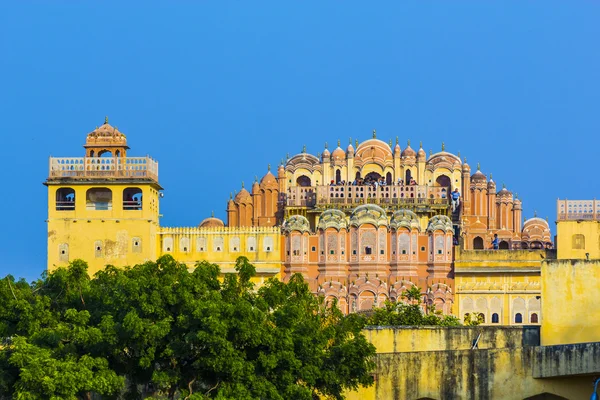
(103, 207)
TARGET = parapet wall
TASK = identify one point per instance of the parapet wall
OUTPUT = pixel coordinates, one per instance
(432, 338)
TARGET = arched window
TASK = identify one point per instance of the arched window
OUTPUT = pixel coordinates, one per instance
(578, 241)
(534, 318)
(495, 318)
(303, 180)
(443, 181)
(98, 199)
(338, 176)
(478, 243)
(132, 199)
(65, 199)
(518, 318)
(388, 178)
(482, 318)
(408, 176)
(503, 245)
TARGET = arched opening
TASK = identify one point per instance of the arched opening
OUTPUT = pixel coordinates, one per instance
(132, 199)
(303, 180)
(65, 199)
(578, 241)
(358, 176)
(503, 245)
(545, 396)
(338, 176)
(99, 199)
(118, 153)
(478, 243)
(443, 181)
(92, 152)
(518, 318)
(105, 153)
(372, 177)
(495, 318)
(388, 178)
(534, 318)
(407, 177)
(482, 318)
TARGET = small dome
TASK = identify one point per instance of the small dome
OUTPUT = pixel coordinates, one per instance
(326, 154)
(405, 219)
(332, 219)
(268, 179)
(368, 214)
(504, 192)
(243, 196)
(338, 154)
(421, 156)
(350, 148)
(408, 151)
(466, 167)
(295, 223)
(440, 222)
(536, 229)
(478, 176)
(211, 222)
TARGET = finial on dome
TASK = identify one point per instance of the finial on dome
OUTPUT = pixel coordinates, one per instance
(430, 152)
(546, 218)
(281, 162)
(350, 141)
(212, 214)
(106, 120)
(304, 148)
(408, 141)
(318, 154)
(458, 154)
(396, 139)
(338, 142)
(478, 167)
(255, 178)
(443, 146)
(420, 144)
(325, 144)
(356, 142)
(516, 196)
(535, 214)
(287, 156)
(374, 134)
(503, 185)
(465, 160)
(242, 184)
(390, 142)
(269, 167)
(230, 195)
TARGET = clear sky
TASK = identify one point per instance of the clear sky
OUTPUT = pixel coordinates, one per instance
(216, 90)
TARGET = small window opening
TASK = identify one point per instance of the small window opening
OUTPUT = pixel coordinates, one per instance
(368, 250)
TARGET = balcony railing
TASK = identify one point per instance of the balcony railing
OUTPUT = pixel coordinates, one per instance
(574, 216)
(103, 167)
(311, 196)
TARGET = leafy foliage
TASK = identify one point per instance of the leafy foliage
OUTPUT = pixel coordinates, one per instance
(157, 329)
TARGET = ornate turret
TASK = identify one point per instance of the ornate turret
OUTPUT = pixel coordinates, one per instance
(106, 139)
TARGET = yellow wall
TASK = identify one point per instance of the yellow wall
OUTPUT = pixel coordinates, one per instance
(115, 231)
(437, 363)
(565, 241)
(504, 282)
(570, 301)
(223, 245)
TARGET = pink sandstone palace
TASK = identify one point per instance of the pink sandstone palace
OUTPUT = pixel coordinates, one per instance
(378, 219)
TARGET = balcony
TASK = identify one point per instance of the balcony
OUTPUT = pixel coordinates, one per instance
(103, 167)
(352, 196)
(579, 216)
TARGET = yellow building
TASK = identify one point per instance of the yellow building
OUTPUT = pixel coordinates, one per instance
(578, 229)
(104, 208)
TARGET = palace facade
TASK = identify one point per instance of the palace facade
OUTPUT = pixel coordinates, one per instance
(361, 224)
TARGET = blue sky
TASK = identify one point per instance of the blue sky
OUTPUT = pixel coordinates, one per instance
(217, 90)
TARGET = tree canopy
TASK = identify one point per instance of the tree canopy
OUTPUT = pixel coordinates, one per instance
(160, 330)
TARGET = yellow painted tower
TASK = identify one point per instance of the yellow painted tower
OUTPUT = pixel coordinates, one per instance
(103, 207)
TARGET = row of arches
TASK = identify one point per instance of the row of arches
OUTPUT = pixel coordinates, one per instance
(99, 199)
(491, 311)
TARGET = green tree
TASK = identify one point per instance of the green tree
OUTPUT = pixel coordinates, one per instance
(157, 329)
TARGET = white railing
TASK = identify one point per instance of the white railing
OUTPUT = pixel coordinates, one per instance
(103, 167)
